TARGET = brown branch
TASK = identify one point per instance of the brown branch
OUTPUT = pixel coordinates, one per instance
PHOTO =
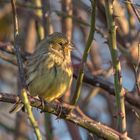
(7, 47)
(7, 58)
(10, 50)
(92, 126)
(16, 34)
(67, 24)
(5, 10)
(109, 87)
(135, 11)
(73, 130)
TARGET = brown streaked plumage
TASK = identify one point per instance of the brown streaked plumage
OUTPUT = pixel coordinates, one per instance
(49, 70)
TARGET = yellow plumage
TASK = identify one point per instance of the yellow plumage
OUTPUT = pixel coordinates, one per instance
(48, 69)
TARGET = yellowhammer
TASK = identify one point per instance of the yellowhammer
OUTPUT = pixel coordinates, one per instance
(49, 70)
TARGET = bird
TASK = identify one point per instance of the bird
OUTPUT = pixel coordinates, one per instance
(48, 71)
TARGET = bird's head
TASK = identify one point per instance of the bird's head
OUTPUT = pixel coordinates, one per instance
(59, 44)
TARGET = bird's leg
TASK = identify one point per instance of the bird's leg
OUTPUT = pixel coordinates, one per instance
(42, 104)
(59, 108)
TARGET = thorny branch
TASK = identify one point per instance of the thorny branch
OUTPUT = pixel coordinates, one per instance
(23, 92)
(75, 117)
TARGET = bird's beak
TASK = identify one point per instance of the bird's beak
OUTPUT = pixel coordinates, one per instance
(70, 46)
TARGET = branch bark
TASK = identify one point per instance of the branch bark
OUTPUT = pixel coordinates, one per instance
(75, 117)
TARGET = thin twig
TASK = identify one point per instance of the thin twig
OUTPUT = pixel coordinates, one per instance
(85, 55)
(30, 114)
(16, 34)
(135, 11)
(7, 47)
(119, 91)
(136, 114)
(40, 29)
(67, 22)
(75, 19)
(21, 73)
(10, 59)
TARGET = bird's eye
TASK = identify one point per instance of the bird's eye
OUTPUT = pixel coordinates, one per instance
(60, 43)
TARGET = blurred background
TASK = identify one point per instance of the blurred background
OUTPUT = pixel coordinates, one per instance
(37, 19)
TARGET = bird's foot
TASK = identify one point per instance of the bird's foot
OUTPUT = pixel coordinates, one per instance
(42, 104)
(59, 109)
